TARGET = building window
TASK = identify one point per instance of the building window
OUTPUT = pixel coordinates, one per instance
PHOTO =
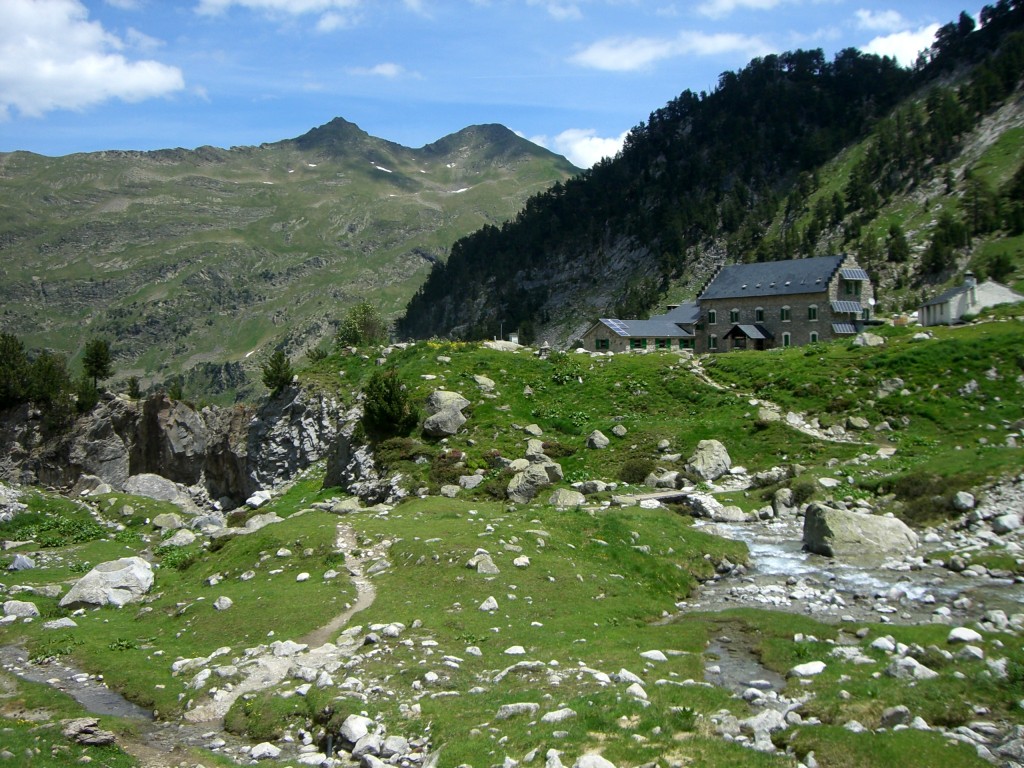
(759, 315)
(638, 343)
(865, 314)
(712, 342)
(812, 312)
(785, 340)
(734, 315)
(663, 343)
(852, 287)
(602, 344)
(814, 336)
(784, 314)
(686, 343)
(712, 317)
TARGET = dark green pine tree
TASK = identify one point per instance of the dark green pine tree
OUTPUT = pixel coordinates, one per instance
(277, 372)
(97, 360)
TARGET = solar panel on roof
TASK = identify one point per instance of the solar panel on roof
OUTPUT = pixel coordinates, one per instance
(853, 273)
(616, 325)
(843, 328)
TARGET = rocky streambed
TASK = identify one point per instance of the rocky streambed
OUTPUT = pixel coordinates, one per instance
(908, 588)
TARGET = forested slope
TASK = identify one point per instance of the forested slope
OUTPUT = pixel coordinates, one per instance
(791, 156)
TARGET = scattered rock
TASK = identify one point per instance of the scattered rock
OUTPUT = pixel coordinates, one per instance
(490, 604)
(505, 711)
(20, 608)
(87, 731)
(597, 440)
(264, 751)
(222, 603)
(21, 563)
(808, 669)
(565, 498)
(963, 635)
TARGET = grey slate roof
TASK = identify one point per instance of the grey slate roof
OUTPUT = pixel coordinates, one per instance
(772, 278)
(750, 331)
(654, 328)
(945, 296)
(687, 314)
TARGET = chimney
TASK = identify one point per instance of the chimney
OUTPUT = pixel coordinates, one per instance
(971, 283)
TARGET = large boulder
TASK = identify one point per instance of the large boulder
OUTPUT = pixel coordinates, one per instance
(833, 532)
(525, 485)
(444, 423)
(443, 400)
(709, 462)
(116, 583)
(160, 488)
(566, 498)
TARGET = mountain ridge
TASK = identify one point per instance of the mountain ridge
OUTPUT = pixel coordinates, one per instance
(183, 257)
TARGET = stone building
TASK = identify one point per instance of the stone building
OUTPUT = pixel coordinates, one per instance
(783, 303)
(753, 306)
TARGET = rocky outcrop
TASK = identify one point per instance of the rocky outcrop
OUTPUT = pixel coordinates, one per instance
(225, 452)
(833, 532)
(351, 466)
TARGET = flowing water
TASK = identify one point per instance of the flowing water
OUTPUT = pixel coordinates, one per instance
(781, 576)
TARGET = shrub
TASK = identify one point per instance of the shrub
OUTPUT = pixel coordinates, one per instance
(557, 450)
(635, 471)
(387, 410)
(447, 466)
(363, 324)
(803, 490)
(396, 449)
(178, 558)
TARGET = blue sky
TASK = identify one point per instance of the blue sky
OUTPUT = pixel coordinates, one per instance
(572, 75)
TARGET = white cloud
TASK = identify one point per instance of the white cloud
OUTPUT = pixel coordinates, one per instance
(53, 57)
(291, 7)
(141, 41)
(624, 54)
(630, 54)
(125, 5)
(334, 14)
(561, 11)
(386, 69)
(716, 9)
(333, 21)
(903, 46)
(880, 21)
(581, 146)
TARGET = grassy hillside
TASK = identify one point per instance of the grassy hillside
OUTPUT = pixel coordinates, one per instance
(598, 582)
(183, 258)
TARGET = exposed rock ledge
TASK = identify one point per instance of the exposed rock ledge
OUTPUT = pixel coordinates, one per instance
(228, 452)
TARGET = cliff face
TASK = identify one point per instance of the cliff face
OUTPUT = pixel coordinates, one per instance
(224, 452)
